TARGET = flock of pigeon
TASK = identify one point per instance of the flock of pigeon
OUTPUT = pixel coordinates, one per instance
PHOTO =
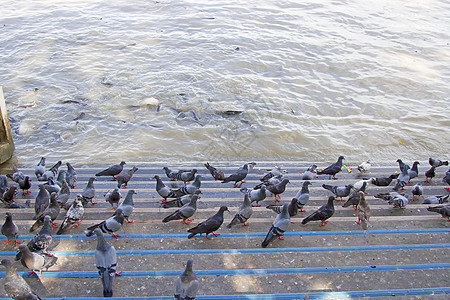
(54, 194)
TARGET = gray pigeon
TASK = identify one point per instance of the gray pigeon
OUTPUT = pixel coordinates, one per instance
(52, 186)
(124, 177)
(186, 285)
(292, 208)
(63, 195)
(417, 191)
(384, 181)
(9, 195)
(185, 212)
(171, 174)
(180, 201)
(443, 210)
(215, 173)
(9, 229)
(339, 191)
(255, 195)
(414, 171)
(363, 211)
(446, 179)
(325, 212)
(42, 201)
(436, 199)
(35, 262)
(437, 163)
(40, 168)
(163, 190)
(186, 176)
(209, 225)
(113, 197)
(278, 188)
(59, 179)
(88, 193)
(237, 176)
(399, 201)
(106, 262)
(23, 181)
(333, 169)
(127, 206)
(52, 210)
(71, 175)
(112, 170)
(244, 213)
(15, 286)
(273, 173)
(430, 174)
(73, 215)
(309, 174)
(402, 179)
(279, 226)
(188, 189)
(50, 173)
(42, 240)
(354, 197)
(272, 181)
(110, 225)
(302, 195)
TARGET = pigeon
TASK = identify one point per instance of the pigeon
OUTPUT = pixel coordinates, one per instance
(237, 176)
(402, 179)
(292, 208)
(88, 193)
(186, 285)
(309, 173)
(435, 199)
(210, 225)
(323, 213)
(437, 163)
(188, 189)
(402, 166)
(42, 239)
(446, 179)
(52, 210)
(443, 210)
(273, 173)
(127, 206)
(384, 181)
(112, 170)
(63, 195)
(51, 186)
(9, 229)
(278, 188)
(23, 181)
(339, 191)
(414, 171)
(185, 212)
(363, 211)
(186, 176)
(215, 173)
(106, 262)
(15, 286)
(113, 197)
(163, 190)
(110, 225)
(171, 174)
(354, 197)
(244, 213)
(364, 167)
(61, 176)
(302, 195)
(9, 195)
(430, 174)
(180, 201)
(272, 181)
(364, 182)
(3, 184)
(417, 191)
(42, 201)
(279, 226)
(255, 195)
(71, 175)
(50, 173)
(73, 215)
(333, 169)
(399, 201)
(124, 177)
(35, 262)
(40, 168)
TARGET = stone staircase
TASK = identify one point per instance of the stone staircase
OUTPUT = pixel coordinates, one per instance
(405, 252)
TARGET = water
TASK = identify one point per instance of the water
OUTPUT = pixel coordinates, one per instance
(226, 80)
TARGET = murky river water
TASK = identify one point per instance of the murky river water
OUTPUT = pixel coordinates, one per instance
(101, 81)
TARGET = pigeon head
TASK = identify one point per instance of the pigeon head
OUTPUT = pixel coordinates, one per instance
(98, 232)
(223, 208)
(156, 176)
(6, 263)
(22, 247)
(8, 215)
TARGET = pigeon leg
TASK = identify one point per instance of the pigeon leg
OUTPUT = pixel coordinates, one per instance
(257, 205)
(124, 185)
(46, 253)
(54, 224)
(447, 189)
(115, 235)
(7, 242)
(163, 200)
(77, 223)
(208, 237)
(215, 234)
(118, 273)
(324, 223)
(188, 221)
(129, 221)
(280, 237)
(301, 210)
(245, 224)
(15, 242)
